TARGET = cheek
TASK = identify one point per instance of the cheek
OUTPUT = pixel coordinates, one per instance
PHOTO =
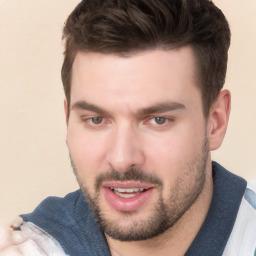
(174, 148)
(87, 152)
(174, 152)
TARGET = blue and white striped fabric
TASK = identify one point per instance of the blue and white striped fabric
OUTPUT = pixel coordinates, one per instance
(242, 241)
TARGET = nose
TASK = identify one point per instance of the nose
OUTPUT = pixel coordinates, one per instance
(125, 150)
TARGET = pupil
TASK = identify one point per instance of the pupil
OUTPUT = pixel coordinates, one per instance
(97, 120)
(160, 120)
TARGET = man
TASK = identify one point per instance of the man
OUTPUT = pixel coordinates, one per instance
(144, 107)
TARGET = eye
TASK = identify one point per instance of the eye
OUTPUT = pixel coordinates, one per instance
(97, 119)
(94, 121)
(158, 120)
(161, 123)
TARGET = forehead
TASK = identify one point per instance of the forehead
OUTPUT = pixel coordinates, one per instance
(150, 76)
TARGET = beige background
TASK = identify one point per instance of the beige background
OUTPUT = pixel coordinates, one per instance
(34, 161)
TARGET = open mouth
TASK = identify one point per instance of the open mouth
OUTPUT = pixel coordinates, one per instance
(127, 196)
(127, 192)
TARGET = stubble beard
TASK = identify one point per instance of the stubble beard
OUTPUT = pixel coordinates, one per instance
(165, 213)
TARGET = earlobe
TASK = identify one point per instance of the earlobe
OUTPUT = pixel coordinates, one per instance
(218, 119)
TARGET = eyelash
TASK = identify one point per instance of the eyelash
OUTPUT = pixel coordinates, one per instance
(167, 121)
(91, 122)
(150, 121)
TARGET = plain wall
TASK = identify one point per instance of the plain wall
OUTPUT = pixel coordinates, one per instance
(34, 160)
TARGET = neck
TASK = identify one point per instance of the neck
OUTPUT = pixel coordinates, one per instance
(177, 239)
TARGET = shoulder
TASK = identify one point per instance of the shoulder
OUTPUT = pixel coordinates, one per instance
(70, 222)
(57, 215)
(243, 237)
(55, 207)
(250, 195)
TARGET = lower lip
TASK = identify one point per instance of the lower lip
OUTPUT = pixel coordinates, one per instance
(126, 204)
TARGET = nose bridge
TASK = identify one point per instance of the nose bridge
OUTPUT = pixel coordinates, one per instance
(125, 149)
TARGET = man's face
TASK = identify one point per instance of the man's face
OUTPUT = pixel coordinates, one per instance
(137, 139)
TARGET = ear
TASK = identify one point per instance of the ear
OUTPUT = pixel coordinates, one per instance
(218, 119)
(66, 110)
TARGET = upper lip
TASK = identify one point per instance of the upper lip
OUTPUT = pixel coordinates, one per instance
(126, 184)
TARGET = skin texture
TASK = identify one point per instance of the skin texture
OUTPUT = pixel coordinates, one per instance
(144, 113)
(138, 122)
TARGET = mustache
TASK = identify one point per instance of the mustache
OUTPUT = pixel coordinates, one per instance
(131, 174)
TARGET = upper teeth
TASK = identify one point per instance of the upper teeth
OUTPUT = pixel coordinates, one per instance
(128, 190)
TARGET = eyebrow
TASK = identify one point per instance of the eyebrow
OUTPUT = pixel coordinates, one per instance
(83, 105)
(161, 108)
(154, 109)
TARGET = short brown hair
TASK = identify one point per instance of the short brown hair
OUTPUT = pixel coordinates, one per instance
(125, 27)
